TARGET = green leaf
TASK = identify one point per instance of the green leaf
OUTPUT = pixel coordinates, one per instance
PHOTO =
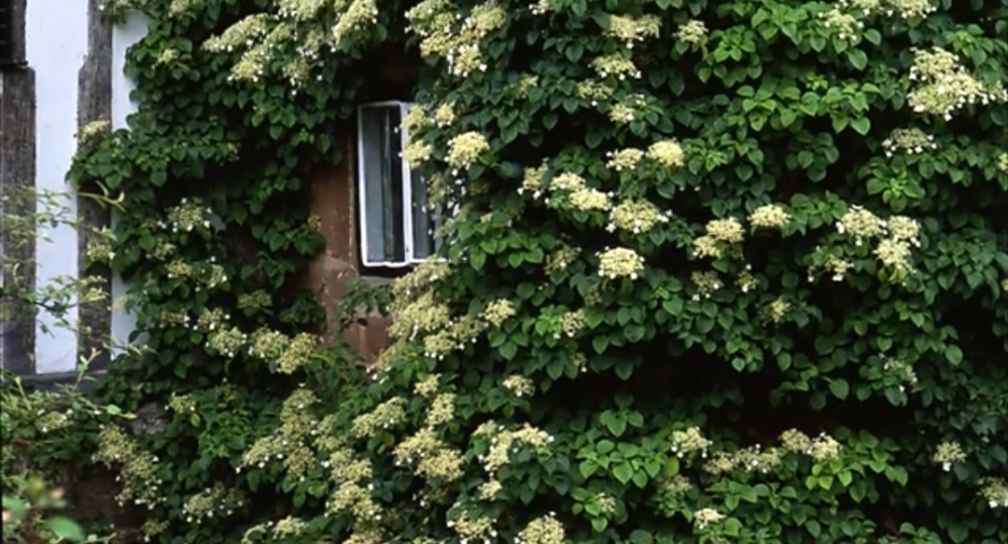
(845, 478)
(616, 425)
(623, 472)
(605, 446)
(861, 125)
(954, 354)
(508, 350)
(840, 388)
(65, 528)
(813, 528)
(858, 58)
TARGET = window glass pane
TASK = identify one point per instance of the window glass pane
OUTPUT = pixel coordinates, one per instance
(424, 219)
(382, 198)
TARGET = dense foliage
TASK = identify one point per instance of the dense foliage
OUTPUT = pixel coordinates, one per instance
(714, 272)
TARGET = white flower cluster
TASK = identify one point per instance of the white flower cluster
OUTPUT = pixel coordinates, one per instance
(706, 517)
(860, 224)
(464, 149)
(473, 528)
(289, 441)
(822, 448)
(415, 120)
(226, 342)
(518, 385)
(417, 152)
(689, 441)
(99, 250)
(912, 141)
(174, 318)
(606, 503)
(542, 7)
(751, 459)
(995, 492)
(217, 501)
(945, 86)
(901, 371)
(947, 454)
(624, 159)
(746, 281)
(407, 288)
(428, 386)
(138, 474)
(490, 490)
(499, 311)
(385, 416)
(615, 65)
(721, 234)
(533, 180)
(692, 32)
(360, 16)
(706, 283)
(567, 182)
(588, 200)
(594, 91)
(636, 216)
(444, 115)
(778, 309)
(301, 10)
(457, 333)
(620, 262)
(242, 34)
(904, 9)
(544, 530)
(52, 421)
(504, 442)
(92, 131)
(435, 21)
(846, 25)
(423, 315)
(626, 111)
(442, 410)
(667, 153)
(837, 267)
(353, 498)
(188, 216)
(560, 259)
(769, 216)
(633, 29)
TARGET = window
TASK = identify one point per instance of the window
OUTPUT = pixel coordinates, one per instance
(396, 225)
(7, 57)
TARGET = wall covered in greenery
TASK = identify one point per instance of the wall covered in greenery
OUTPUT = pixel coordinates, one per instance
(715, 272)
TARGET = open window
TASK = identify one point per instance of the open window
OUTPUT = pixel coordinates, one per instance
(396, 223)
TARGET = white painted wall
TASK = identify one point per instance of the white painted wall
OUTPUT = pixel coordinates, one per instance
(56, 46)
(56, 43)
(123, 36)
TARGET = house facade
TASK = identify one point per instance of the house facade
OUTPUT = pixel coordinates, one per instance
(61, 68)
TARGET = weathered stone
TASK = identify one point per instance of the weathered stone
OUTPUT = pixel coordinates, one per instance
(149, 420)
(17, 175)
(94, 103)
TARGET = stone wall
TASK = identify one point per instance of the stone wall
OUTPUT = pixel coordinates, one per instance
(17, 175)
(333, 201)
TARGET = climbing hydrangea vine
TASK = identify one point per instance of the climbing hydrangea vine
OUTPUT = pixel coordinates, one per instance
(711, 272)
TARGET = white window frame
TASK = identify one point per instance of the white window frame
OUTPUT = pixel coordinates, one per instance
(407, 190)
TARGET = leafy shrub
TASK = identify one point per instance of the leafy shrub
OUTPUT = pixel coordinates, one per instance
(718, 272)
(48, 437)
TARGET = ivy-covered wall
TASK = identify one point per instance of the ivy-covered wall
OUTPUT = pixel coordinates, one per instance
(715, 272)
